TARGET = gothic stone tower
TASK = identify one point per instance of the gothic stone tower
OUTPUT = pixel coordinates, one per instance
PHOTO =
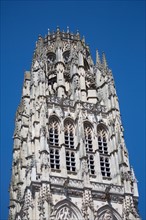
(69, 158)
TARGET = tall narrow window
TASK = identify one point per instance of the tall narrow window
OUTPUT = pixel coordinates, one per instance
(89, 148)
(105, 167)
(54, 158)
(103, 151)
(69, 145)
(88, 138)
(53, 133)
(70, 161)
(54, 143)
(69, 134)
(91, 164)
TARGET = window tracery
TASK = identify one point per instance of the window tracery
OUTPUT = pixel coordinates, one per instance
(66, 56)
(53, 133)
(89, 148)
(51, 57)
(88, 138)
(69, 144)
(66, 213)
(69, 134)
(103, 152)
(54, 142)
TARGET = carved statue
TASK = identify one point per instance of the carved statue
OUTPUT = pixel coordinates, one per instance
(65, 185)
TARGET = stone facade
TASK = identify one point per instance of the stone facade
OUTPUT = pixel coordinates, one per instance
(69, 157)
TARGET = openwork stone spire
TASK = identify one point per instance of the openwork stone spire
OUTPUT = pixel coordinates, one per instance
(69, 157)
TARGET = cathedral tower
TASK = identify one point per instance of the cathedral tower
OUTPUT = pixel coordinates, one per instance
(69, 157)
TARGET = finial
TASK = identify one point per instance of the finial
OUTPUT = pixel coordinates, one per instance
(67, 29)
(83, 40)
(104, 62)
(58, 29)
(78, 35)
(97, 57)
(48, 31)
(58, 33)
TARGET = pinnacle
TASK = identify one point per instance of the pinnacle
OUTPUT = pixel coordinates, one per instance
(97, 58)
(104, 62)
(64, 34)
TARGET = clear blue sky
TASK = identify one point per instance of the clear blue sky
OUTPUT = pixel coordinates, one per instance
(115, 27)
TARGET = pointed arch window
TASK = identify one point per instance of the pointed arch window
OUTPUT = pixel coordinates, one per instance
(102, 141)
(103, 152)
(53, 132)
(69, 134)
(89, 147)
(65, 210)
(54, 143)
(69, 145)
(88, 138)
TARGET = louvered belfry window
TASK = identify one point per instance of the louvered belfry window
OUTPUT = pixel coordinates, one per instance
(53, 133)
(69, 135)
(89, 147)
(103, 152)
(69, 146)
(88, 138)
(54, 144)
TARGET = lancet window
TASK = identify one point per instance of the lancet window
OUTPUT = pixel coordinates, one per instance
(66, 56)
(69, 145)
(51, 57)
(53, 132)
(88, 138)
(89, 147)
(54, 143)
(69, 134)
(103, 152)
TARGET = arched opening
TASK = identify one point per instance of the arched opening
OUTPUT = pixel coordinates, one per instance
(66, 210)
(69, 133)
(66, 56)
(53, 131)
(103, 152)
(54, 143)
(69, 145)
(108, 213)
(88, 132)
(51, 57)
